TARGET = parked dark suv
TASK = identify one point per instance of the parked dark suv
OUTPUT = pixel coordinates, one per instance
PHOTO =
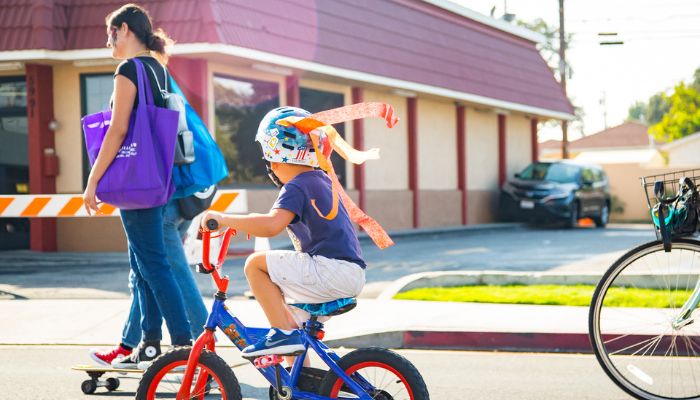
(560, 191)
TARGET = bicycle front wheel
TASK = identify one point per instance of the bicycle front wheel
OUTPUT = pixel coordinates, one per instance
(163, 378)
(641, 321)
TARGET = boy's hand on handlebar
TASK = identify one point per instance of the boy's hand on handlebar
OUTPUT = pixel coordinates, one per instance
(209, 215)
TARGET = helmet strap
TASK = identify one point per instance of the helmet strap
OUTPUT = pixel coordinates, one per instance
(272, 175)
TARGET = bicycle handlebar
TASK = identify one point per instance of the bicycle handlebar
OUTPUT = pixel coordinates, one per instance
(212, 225)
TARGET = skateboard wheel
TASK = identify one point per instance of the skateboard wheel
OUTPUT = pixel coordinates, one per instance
(112, 384)
(89, 386)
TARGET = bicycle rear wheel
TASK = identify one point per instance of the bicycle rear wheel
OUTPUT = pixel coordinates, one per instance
(636, 325)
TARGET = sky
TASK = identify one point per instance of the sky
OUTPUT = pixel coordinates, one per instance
(661, 48)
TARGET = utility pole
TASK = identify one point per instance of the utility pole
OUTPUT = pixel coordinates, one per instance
(604, 103)
(562, 80)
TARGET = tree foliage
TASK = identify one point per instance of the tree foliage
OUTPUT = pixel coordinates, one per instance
(671, 116)
(683, 116)
(637, 111)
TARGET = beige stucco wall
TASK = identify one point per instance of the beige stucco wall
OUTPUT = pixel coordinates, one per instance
(391, 208)
(627, 191)
(437, 138)
(482, 150)
(390, 172)
(518, 143)
(481, 206)
(440, 208)
(686, 155)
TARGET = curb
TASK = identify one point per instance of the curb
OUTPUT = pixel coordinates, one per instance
(475, 341)
(496, 278)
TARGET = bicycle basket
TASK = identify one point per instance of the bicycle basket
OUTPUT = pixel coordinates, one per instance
(680, 203)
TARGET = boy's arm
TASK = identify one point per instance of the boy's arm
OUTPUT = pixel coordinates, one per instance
(261, 225)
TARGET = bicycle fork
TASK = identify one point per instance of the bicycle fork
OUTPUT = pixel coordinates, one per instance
(205, 340)
(684, 315)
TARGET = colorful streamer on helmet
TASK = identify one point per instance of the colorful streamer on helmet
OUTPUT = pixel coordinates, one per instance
(319, 125)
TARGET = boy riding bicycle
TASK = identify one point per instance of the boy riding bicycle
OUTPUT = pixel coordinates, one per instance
(327, 264)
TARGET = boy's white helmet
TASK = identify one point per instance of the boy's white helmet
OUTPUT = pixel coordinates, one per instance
(287, 144)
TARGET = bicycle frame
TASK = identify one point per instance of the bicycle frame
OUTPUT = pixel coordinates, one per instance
(241, 336)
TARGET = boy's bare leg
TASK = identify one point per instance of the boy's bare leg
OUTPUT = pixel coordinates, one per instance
(269, 296)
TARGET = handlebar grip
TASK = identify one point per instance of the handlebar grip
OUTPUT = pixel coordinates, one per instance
(212, 225)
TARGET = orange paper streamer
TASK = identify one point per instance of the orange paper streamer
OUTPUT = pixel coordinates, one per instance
(318, 124)
(357, 111)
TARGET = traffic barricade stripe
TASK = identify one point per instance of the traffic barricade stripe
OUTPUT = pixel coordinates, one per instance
(35, 206)
(73, 205)
(223, 202)
(4, 203)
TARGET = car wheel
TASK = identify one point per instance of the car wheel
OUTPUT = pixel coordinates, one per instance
(572, 222)
(602, 219)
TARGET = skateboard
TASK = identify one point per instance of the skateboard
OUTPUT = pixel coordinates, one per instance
(95, 372)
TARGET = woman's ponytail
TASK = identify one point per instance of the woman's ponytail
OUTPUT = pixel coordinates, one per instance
(140, 24)
(159, 42)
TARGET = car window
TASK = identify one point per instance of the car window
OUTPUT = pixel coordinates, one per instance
(553, 172)
(588, 175)
(599, 175)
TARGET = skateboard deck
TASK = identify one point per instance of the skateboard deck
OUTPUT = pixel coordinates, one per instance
(104, 369)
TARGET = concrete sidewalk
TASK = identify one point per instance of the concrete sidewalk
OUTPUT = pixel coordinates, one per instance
(389, 323)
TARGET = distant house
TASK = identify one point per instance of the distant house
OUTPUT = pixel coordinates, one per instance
(683, 153)
(629, 141)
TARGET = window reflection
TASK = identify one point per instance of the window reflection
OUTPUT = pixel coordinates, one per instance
(240, 104)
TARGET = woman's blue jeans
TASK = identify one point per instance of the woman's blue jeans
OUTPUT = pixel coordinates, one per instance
(156, 293)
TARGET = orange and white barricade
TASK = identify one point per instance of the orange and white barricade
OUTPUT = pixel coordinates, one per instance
(71, 205)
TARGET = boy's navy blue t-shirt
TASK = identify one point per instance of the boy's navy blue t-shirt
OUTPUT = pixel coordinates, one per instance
(334, 238)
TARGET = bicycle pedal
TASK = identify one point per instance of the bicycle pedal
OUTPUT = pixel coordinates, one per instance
(267, 361)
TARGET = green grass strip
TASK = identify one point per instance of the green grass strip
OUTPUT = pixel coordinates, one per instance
(559, 295)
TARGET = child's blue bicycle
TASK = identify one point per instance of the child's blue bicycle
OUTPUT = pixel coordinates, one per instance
(367, 373)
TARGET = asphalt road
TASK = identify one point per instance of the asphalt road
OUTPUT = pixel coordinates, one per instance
(72, 275)
(44, 373)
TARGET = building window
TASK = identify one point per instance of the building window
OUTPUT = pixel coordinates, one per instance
(14, 157)
(95, 94)
(314, 101)
(240, 104)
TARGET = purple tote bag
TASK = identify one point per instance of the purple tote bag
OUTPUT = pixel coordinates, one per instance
(141, 174)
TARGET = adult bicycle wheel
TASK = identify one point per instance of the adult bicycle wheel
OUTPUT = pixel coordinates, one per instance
(640, 326)
(163, 378)
(391, 376)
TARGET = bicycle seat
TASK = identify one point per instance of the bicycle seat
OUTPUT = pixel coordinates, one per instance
(329, 309)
